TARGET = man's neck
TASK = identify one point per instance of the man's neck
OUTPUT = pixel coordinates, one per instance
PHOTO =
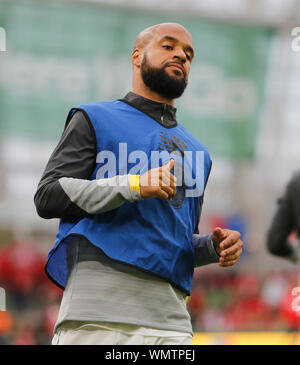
(149, 94)
(163, 114)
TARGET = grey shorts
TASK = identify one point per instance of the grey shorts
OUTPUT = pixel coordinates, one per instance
(101, 333)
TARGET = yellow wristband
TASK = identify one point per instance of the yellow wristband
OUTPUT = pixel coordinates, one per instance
(134, 183)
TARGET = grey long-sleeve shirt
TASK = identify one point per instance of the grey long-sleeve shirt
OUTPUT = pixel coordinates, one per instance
(64, 192)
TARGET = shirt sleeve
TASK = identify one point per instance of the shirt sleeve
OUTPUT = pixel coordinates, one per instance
(64, 190)
(285, 221)
(196, 230)
(205, 252)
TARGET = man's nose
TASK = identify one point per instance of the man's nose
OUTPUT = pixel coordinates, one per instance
(180, 54)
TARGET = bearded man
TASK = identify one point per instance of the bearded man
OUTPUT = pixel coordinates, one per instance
(128, 238)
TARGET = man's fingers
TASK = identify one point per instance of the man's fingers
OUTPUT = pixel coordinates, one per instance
(168, 179)
(228, 263)
(230, 260)
(233, 249)
(231, 240)
(219, 234)
(162, 180)
(231, 257)
(168, 190)
(170, 165)
(162, 194)
(230, 246)
(217, 231)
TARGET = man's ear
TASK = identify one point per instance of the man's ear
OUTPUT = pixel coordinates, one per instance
(137, 57)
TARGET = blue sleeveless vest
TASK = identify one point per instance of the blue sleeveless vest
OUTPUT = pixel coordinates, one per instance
(153, 235)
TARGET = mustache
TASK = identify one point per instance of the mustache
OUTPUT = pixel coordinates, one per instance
(176, 63)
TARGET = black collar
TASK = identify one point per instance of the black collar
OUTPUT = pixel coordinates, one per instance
(163, 114)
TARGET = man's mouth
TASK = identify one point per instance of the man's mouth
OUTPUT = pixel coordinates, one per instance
(177, 67)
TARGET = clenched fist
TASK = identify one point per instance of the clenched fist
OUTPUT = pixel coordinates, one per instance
(228, 245)
(158, 182)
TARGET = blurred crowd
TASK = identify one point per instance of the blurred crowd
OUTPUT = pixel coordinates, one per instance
(227, 301)
(32, 301)
(220, 301)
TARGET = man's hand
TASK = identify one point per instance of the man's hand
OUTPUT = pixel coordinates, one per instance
(158, 182)
(228, 245)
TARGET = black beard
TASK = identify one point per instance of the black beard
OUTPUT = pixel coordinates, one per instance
(159, 81)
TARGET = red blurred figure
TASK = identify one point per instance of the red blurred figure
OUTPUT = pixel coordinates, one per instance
(288, 313)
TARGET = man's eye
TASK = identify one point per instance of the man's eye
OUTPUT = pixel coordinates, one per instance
(168, 47)
(188, 56)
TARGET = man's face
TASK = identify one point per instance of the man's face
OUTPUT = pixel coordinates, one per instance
(166, 62)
